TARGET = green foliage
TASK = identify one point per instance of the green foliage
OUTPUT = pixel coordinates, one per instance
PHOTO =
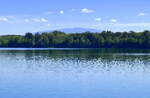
(57, 39)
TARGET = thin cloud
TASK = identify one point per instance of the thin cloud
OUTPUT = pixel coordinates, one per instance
(98, 19)
(141, 14)
(61, 12)
(3, 19)
(27, 20)
(114, 20)
(85, 10)
(49, 12)
(44, 20)
(39, 20)
(124, 24)
(48, 25)
(73, 10)
(134, 24)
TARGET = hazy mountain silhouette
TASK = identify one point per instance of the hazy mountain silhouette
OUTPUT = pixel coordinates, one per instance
(75, 30)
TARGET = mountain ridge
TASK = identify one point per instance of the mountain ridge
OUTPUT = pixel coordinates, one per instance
(74, 30)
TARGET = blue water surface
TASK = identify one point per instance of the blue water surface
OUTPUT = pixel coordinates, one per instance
(74, 73)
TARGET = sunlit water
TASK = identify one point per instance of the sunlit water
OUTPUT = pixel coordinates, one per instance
(74, 73)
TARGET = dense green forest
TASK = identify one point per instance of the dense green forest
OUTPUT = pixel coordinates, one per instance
(57, 39)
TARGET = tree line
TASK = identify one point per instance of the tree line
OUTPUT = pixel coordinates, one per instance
(58, 39)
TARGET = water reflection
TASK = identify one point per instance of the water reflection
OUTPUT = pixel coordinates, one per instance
(77, 73)
(80, 60)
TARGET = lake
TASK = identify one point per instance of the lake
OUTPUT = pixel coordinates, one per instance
(74, 73)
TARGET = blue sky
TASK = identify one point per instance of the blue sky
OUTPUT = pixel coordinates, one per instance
(20, 16)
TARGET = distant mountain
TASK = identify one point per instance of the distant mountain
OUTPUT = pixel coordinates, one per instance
(78, 30)
(75, 30)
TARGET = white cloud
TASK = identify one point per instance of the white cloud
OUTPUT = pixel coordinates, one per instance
(44, 20)
(39, 20)
(61, 12)
(3, 19)
(85, 10)
(142, 14)
(98, 19)
(113, 20)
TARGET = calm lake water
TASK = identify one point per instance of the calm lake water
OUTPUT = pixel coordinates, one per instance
(74, 73)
